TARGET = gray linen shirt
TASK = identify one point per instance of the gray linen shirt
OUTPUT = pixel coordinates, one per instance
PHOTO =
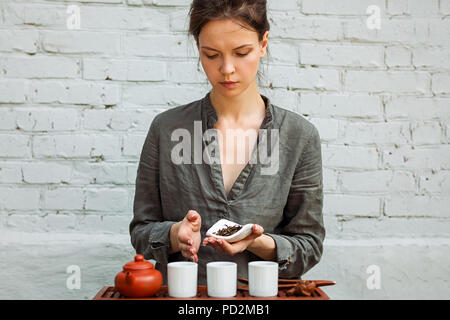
(288, 204)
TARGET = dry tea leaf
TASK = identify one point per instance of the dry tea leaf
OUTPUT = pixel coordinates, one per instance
(228, 230)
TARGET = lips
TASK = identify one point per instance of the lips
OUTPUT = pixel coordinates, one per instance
(228, 82)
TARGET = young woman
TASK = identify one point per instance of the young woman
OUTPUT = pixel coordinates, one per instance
(176, 203)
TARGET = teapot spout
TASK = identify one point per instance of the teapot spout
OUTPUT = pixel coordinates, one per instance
(129, 278)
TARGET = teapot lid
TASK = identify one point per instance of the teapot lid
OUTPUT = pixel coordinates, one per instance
(139, 263)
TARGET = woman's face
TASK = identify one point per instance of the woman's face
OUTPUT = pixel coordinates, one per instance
(229, 52)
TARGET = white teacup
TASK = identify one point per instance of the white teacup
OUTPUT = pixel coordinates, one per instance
(221, 277)
(263, 278)
(182, 279)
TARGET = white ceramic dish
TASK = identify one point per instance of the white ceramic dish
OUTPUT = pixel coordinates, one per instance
(223, 223)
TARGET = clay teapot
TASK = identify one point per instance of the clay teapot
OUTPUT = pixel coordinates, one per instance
(138, 279)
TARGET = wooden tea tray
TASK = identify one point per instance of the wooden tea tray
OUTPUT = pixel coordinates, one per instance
(110, 293)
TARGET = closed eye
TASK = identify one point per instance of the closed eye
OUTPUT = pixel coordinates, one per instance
(215, 55)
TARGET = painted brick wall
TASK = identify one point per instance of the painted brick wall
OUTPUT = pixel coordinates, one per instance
(76, 105)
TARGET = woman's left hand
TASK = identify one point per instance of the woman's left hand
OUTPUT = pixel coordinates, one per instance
(235, 247)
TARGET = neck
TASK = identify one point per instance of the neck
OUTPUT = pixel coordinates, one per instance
(249, 104)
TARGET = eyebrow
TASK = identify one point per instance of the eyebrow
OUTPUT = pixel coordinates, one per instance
(244, 45)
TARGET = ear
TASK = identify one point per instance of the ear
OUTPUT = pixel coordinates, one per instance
(263, 44)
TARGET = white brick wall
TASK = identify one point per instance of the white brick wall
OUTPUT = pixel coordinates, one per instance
(76, 105)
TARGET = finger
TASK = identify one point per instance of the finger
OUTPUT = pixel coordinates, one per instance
(196, 222)
(190, 255)
(208, 240)
(213, 242)
(185, 247)
(251, 237)
(190, 213)
(225, 245)
(195, 219)
(257, 229)
(193, 216)
(188, 246)
(186, 254)
(228, 248)
(192, 251)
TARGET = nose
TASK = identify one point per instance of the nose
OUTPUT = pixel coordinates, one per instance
(227, 66)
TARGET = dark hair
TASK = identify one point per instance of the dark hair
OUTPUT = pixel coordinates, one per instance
(247, 13)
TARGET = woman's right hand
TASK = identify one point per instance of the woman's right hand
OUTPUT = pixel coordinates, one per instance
(185, 235)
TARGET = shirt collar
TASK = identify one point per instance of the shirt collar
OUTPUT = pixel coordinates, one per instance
(209, 114)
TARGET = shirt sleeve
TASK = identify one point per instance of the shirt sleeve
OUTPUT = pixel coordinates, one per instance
(150, 235)
(299, 244)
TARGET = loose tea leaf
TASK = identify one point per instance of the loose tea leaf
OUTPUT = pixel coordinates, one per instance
(228, 230)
